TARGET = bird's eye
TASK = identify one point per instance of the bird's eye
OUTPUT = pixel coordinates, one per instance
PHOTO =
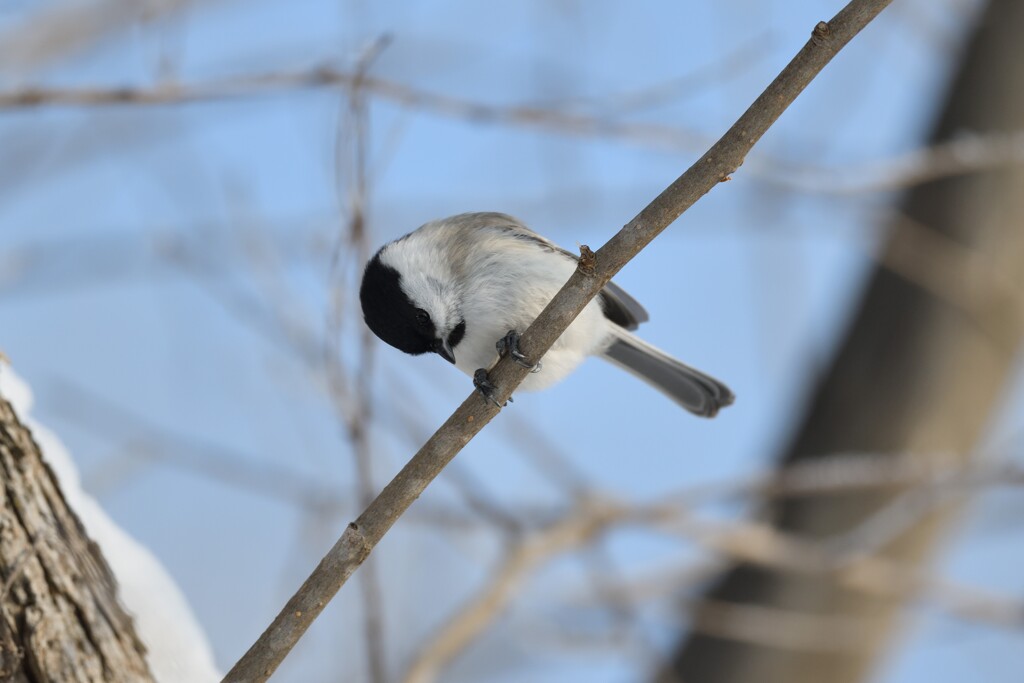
(422, 317)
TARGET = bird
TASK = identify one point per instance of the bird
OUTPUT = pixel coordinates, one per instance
(463, 287)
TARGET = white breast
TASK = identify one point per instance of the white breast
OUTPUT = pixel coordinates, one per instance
(513, 279)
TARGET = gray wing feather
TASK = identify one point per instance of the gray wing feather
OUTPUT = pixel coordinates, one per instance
(621, 308)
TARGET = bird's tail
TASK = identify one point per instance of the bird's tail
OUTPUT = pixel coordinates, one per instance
(700, 394)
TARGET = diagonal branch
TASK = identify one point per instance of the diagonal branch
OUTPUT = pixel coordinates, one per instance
(595, 270)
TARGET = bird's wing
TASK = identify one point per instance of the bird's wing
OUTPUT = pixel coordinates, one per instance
(618, 305)
(621, 308)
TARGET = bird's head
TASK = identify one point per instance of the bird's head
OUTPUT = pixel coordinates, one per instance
(411, 302)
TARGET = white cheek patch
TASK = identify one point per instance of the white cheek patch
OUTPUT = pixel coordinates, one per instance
(427, 279)
(438, 301)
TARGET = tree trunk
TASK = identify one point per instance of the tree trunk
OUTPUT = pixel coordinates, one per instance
(921, 370)
(61, 620)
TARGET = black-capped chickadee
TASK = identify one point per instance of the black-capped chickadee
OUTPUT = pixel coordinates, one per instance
(459, 285)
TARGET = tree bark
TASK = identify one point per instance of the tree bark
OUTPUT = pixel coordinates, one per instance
(60, 619)
(922, 368)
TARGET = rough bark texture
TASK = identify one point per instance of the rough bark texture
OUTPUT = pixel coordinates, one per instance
(917, 373)
(59, 615)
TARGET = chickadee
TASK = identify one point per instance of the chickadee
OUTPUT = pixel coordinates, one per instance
(459, 285)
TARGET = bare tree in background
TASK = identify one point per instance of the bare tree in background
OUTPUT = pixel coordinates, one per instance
(923, 366)
(60, 619)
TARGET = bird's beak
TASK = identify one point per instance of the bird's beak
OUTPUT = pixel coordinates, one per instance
(444, 349)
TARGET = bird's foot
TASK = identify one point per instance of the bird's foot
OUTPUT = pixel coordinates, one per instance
(509, 346)
(486, 388)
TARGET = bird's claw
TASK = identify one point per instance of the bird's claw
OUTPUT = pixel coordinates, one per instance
(509, 346)
(486, 388)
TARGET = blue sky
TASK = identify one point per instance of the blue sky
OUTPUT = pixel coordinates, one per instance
(753, 285)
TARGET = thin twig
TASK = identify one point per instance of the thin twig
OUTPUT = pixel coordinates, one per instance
(766, 546)
(724, 157)
(965, 154)
(63, 28)
(152, 443)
